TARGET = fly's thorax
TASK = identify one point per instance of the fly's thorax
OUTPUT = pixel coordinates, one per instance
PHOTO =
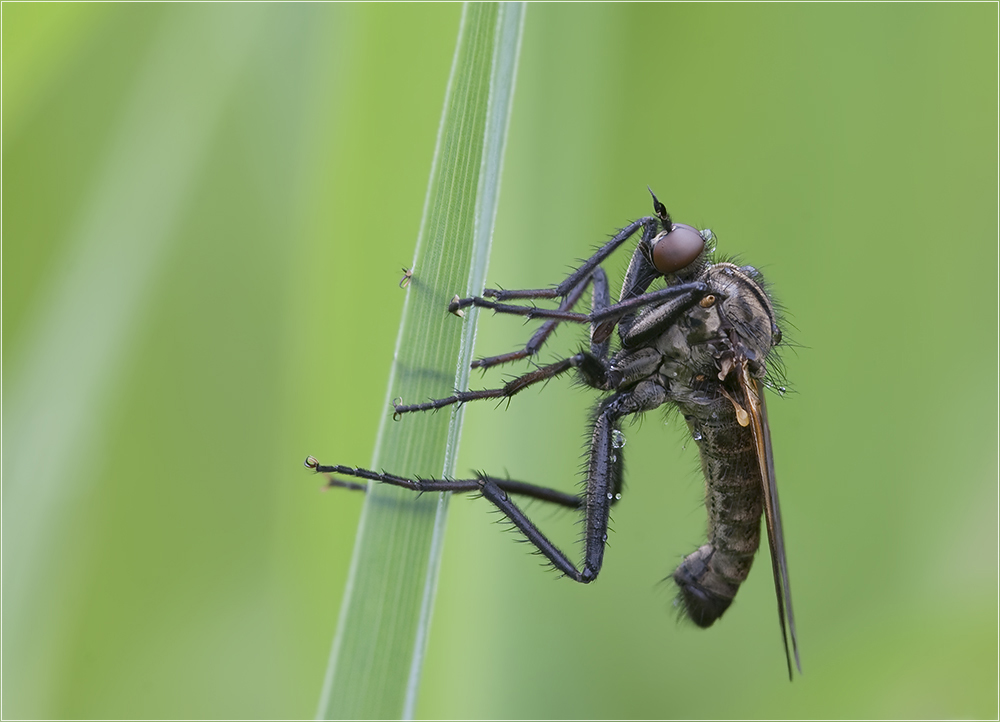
(746, 310)
(733, 322)
(693, 347)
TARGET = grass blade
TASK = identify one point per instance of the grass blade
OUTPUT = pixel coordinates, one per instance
(374, 666)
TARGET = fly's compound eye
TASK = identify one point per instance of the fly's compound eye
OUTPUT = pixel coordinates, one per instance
(677, 249)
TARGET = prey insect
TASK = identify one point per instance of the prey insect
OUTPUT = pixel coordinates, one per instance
(692, 333)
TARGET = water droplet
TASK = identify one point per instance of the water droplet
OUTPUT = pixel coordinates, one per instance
(618, 496)
(781, 390)
(614, 458)
(617, 439)
(604, 538)
(610, 496)
(696, 436)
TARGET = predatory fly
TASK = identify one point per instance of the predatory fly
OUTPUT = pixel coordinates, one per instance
(699, 341)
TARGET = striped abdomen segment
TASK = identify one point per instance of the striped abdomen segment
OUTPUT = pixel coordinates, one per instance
(710, 576)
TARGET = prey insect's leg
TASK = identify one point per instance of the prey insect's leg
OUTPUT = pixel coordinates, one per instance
(509, 389)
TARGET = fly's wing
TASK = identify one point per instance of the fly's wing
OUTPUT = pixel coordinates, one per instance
(772, 512)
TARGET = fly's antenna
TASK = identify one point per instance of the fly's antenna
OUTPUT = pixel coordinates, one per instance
(661, 211)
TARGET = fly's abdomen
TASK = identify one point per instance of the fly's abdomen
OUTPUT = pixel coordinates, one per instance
(710, 576)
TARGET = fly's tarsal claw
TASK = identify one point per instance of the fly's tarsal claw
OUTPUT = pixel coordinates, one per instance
(454, 307)
(311, 462)
(405, 280)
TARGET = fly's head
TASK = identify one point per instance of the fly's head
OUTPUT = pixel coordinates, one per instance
(678, 251)
(681, 252)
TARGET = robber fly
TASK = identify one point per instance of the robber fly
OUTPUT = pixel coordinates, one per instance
(700, 341)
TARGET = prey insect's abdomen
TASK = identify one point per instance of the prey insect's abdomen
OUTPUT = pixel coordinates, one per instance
(710, 576)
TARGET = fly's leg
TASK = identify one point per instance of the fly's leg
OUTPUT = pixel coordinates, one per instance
(510, 486)
(593, 366)
(601, 300)
(540, 336)
(553, 496)
(605, 464)
(641, 273)
(530, 312)
(602, 490)
(497, 491)
(575, 281)
(605, 317)
(657, 321)
(649, 226)
(612, 314)
(509, 389)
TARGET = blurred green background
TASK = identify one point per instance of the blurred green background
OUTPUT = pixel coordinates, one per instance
(206, 210)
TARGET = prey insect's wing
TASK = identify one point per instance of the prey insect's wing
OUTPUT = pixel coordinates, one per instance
(753, 393)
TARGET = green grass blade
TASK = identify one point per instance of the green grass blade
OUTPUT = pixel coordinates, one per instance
(374, 666)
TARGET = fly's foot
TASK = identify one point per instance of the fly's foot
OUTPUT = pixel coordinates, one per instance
(312, 463)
